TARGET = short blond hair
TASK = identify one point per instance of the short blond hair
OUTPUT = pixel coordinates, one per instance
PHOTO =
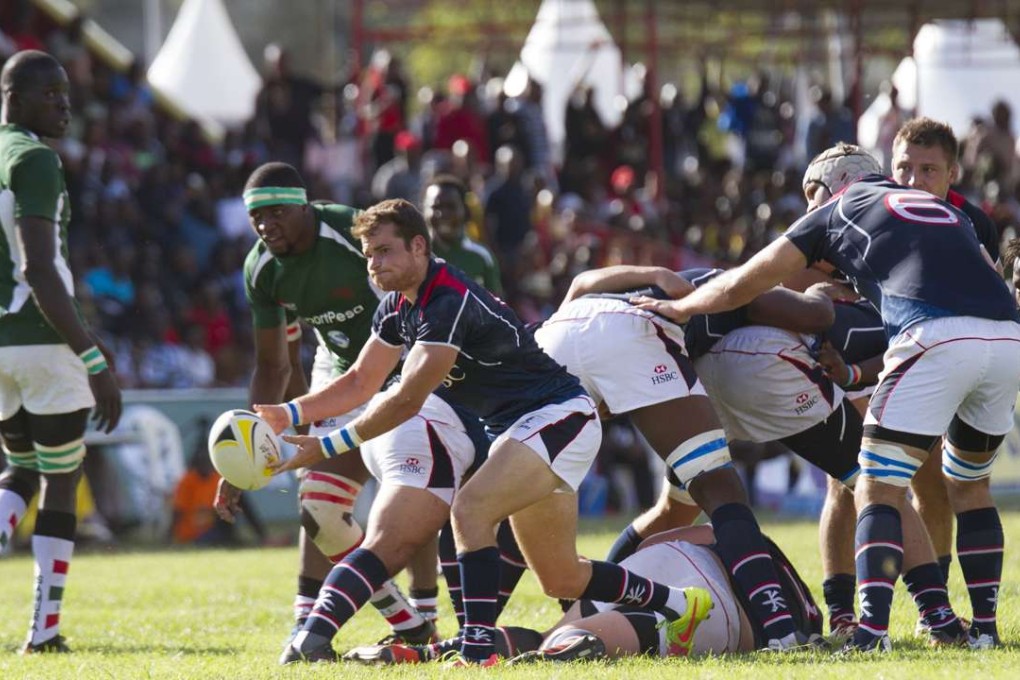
(928, 132)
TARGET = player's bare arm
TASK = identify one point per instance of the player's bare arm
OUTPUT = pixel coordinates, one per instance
(807, 312)
(270, 383)
(627, 277)
(424, 370)
(35, 234)
(734, 288)
(273, 369)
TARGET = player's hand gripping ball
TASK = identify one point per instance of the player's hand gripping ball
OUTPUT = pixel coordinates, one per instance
(242, 446)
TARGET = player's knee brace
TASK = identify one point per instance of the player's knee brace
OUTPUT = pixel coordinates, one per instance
(967, 438)
(702, 453)
(60, 459)
(887, 463)
(960, 470)
(327, 513)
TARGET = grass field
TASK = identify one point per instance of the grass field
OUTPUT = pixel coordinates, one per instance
(224, 614)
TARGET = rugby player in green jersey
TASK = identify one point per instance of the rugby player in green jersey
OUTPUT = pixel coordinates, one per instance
(446, 213)
(51, 371)
(305, 266)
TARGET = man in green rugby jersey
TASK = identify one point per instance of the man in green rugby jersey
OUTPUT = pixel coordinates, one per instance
(446, 213)
(51, 371)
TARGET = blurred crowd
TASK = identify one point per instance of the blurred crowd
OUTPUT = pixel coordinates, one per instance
(159, 231)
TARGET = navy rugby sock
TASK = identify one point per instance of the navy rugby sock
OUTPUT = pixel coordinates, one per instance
(451, 572)
(512, 564)
(479, 576)
(945, 562)
(879, 559)
(979, 547)
(625, 545)
(742, 548)
(926, 585)
(838, 590)
(347, 588)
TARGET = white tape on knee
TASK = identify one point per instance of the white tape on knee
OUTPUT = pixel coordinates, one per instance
(680, 495)
(954, 467)
(327, 507)
(702, 453)
(887, 463)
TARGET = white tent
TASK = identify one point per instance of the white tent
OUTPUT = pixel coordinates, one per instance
(203, 68)
(958, 70)
(568, 46)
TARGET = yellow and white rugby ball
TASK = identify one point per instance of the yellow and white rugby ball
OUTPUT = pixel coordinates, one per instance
(242, 446)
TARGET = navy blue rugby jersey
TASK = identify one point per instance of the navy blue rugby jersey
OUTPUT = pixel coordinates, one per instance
(703, 330)
(987, 232)
(912, 255)
(857, 332)
(501, 373)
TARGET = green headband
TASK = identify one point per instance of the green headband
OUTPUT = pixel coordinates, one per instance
(260, 197)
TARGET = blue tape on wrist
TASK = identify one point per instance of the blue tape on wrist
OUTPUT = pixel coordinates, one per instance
(327, 446)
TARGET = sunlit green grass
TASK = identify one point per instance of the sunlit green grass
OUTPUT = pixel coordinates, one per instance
(224, 614)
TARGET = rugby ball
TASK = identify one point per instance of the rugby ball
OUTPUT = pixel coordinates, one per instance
(241, 446)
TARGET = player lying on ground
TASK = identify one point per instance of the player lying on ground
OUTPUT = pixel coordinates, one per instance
(684, 558)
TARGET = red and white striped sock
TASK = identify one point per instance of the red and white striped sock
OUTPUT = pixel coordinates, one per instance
(395, 608)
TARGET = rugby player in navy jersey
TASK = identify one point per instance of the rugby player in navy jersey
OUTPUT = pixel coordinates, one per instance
(953, 366)
(924, 157)
(472, 350)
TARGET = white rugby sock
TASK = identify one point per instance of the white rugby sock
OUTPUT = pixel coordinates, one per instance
(395, 608)
(52, 559)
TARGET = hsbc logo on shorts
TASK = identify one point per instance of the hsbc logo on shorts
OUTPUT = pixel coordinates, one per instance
(805, 402)
(663, 375)
(412, 466)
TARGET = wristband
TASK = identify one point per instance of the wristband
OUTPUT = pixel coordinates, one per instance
(295, 413)
(340, 441)
(94, 360)
(854, 374)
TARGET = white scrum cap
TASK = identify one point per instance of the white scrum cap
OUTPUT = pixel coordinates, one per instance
(840, 165)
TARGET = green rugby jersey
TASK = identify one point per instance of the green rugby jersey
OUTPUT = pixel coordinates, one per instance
(327, 286)
(31, 185)
(473, 259)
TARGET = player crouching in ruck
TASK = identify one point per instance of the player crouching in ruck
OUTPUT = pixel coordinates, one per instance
(545, 427)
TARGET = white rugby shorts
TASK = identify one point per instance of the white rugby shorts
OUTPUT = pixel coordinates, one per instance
(681, 564)
(45, 379)
(566, 436)
(765, 385)
(939, 368)
(429, 451)
(625, 357)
